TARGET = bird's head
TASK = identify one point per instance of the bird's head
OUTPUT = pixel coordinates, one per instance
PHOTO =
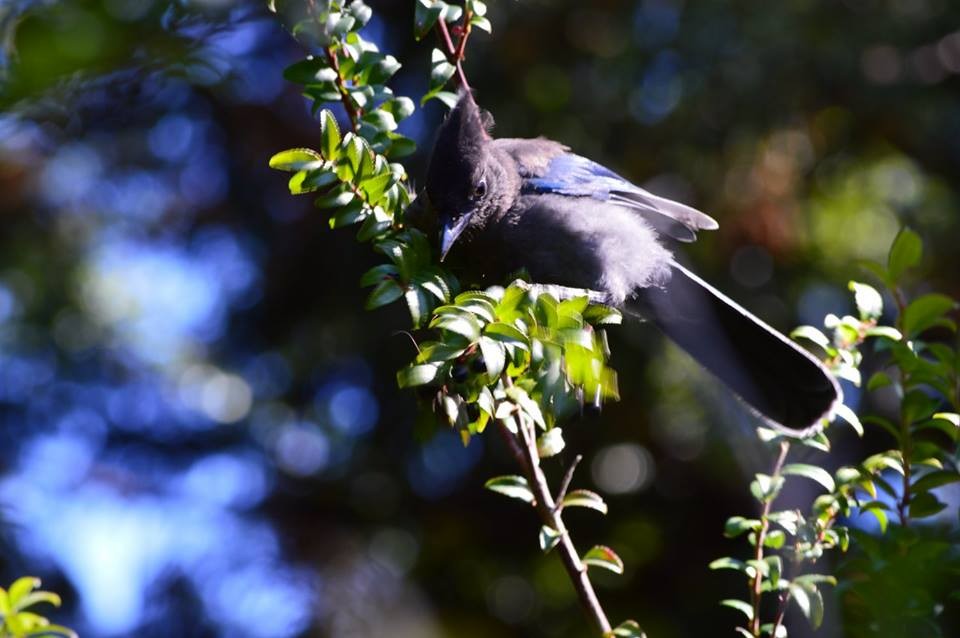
(460, 178)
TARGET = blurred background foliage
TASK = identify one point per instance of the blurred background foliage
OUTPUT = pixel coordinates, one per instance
(201, 434)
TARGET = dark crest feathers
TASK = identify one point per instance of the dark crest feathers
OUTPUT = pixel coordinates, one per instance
(466, 127)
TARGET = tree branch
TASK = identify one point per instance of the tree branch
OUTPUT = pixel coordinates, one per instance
(547, 509)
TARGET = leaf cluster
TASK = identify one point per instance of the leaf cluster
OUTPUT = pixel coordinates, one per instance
(924, 376)
(16, 619)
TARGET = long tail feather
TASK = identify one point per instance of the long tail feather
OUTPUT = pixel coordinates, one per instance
(786, 385)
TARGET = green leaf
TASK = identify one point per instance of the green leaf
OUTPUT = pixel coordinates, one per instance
(844, 412)
(775, 539)
(599, 315)
(296, 159)
(512, 486)
(808, 598)
(440, 69)
(905, 253)
(585, 498)
(933, 480)
(360, 11)
(481, 23)
(627, 629)
(506, 334)
(737, 525)
(950, 417)
(765, 488)
(375, 275)
(742, 606)
(774, 568)
(550, 443)
(449, 98)
(385, 292)
(494, 356)
(879, 511)
(35, 598)
(879, 379)
(603, 556)
(422, 374)
(811, 334)
(925, 504)
(884, 332)
(329, 135)
(925, 312)
(20, 588)
(811, 472)
(425, 15)
(868, 300)
(812, 579)
(376, 186)
(309, 71)
(463, 324)
(549, 538)
(732, 563)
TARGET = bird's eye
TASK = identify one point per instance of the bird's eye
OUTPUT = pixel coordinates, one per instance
(481, 188)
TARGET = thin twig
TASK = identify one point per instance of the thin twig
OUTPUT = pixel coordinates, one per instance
(784, 602)
(565, 484)
(761, 537)
(551, 517)
(455, 53)
(353, 111)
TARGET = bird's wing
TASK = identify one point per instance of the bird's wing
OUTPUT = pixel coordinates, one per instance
(575, 176)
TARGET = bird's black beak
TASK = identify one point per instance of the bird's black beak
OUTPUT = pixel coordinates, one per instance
(450, 231)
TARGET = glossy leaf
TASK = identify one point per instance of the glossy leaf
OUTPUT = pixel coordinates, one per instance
(603, 556)
(549, 538)
(512, 486)
(811, 472)
(905, 253)
(417, 375)
(627, 629)
(585, 498)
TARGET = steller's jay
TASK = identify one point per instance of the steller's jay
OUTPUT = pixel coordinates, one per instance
(511, 204)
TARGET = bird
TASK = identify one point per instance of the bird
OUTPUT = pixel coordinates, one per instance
(505, 205)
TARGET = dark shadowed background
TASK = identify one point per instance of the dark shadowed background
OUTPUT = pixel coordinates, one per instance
(200, 430)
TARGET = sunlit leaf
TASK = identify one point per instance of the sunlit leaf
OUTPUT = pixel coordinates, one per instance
(296, 159)
(550, 443)
(811, 472)
(603, 556)
(549, 538)
(585, 498)
(418, 375)
(868, 300)
(737, 525)
(627, 629)
(512, 486)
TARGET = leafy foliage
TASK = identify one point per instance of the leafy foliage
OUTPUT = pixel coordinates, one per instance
(515, 355)
(16, 618)
(902, 480)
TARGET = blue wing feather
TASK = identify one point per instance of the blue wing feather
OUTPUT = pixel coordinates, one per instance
(576, 176)
(571, 175)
